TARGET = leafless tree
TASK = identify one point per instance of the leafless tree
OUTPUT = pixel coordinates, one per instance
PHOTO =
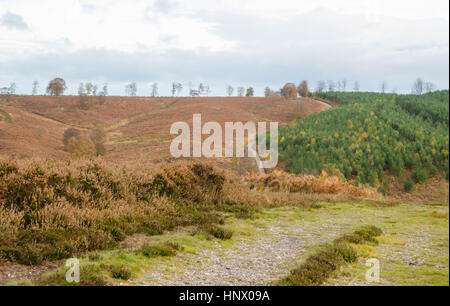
(34, 91)
(105, 89)
(12, 89)
(207, 90)
(230, 90)
(89, 88)
(155, 89)
(174, 88)
(81, 89)
(321, 85)
(418, 87)
(267, 92)
(179, 88)
(201, 88)
(56, 87)
(331, 85)
(241, 91)
(356, 86)
(131, 89)
(94, 90)
(429, 87)
(344, 85)
(383, 87)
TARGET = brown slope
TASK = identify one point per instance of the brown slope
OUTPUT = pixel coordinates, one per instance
(138, 128)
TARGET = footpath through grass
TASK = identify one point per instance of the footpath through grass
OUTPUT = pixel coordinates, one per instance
(413, 249)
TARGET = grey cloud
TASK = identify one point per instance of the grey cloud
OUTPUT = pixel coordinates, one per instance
(13, 21)
(321, 45)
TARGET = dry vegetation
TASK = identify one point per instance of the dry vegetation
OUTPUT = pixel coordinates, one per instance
(308, 184)
(136, 128)
(52, 210)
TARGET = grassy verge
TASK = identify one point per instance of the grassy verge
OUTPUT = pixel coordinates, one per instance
(413, 249)
(5, 117)
(113, 267)
(318, 267)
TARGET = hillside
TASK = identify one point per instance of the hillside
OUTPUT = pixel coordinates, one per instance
(137, 128)
(373, 135)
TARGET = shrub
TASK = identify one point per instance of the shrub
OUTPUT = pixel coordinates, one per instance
(419, 176)
(157, 250)
(433, 171)
(219, 232)
(120, 272)
(84, 102)
(409, 185)
(68, 134)
(318, 267)
(50, 210)
(98, 137)
(80, 147)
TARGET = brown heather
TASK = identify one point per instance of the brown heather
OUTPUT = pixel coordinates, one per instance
(308, 184)
(51, 210)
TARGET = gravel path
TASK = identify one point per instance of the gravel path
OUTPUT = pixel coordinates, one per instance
(253, 261)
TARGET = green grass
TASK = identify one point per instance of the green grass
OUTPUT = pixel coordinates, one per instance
(412, 233)
(5, 117)
(319, 266)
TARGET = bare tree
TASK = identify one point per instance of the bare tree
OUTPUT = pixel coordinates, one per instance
(230, 90)
(321, 85)
(383, 87)
(429, 87)
(131, 89)
(267, 92)
(207, 90)
(155, 89)
(34, 91)
(179, 88)
(94, 90)
(81, 89)
(331, 85)
(89, 88)
(56, 87)
(12, 89)
(241, 91)
(356, 86)
(344, 85)
(174, 88)
(339, 86)
(418, 87)
(105, 89)
(201, 88)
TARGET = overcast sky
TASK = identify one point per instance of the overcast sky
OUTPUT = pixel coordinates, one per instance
(239, 42)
